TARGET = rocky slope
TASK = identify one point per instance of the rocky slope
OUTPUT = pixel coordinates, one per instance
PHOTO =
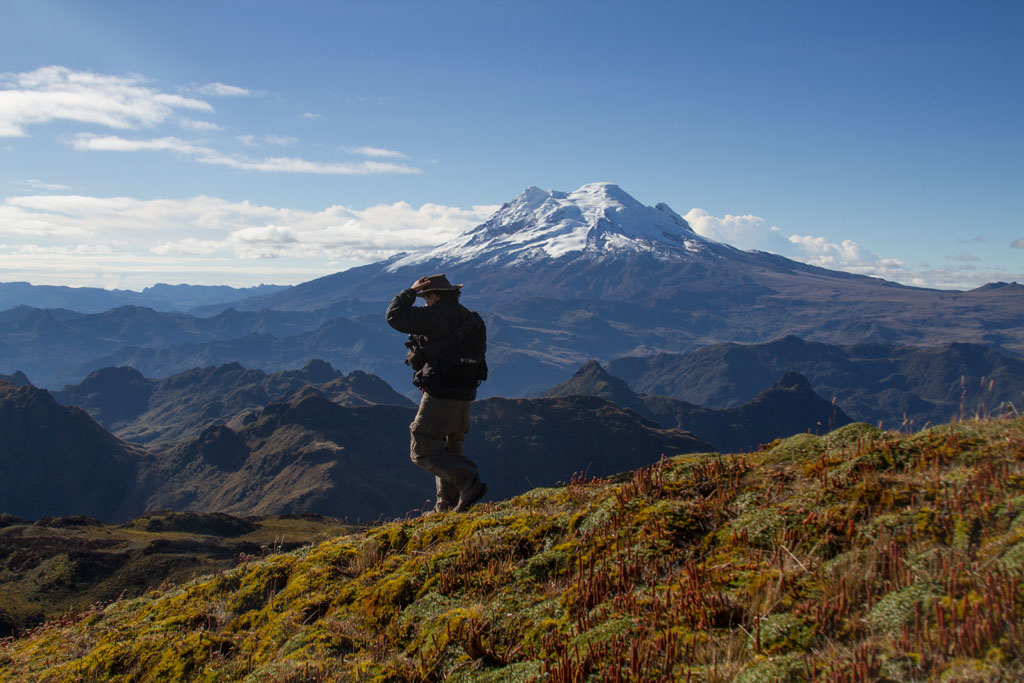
(312, 455)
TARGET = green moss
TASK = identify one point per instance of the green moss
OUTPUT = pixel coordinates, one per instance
(545, 565)
(897, 608)
(785, 632)
(260, 583)
(1013, 557)
(606, 630)
(519, 672)
(775, 669)
(851, 436)
(762, 526)
(798, 448)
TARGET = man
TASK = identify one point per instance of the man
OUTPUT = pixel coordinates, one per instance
(447, 343)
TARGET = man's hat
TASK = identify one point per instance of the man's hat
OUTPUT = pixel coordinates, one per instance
(439, 283)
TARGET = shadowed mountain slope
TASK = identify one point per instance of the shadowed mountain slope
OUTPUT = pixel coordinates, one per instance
(160, 297)
(58, 461)
(872, 382)
(788, 407)
(312, 455)
(149, 411)
(18, 379)
(306, 454)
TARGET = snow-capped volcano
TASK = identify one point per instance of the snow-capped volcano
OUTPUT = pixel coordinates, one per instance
(595, 243)
(598, 220)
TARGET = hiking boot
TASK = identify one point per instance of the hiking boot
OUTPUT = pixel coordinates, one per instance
(471, 495)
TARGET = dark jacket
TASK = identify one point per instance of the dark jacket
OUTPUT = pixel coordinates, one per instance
(425, 324)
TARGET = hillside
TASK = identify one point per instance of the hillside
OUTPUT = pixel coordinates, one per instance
(145, 411)
(303, 454)
(787, 407)
(862, 555)
(311, 455)
(58, 461)
(67, 563)
(876, 383)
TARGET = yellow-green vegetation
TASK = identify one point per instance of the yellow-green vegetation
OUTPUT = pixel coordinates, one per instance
(861, 555)
(63, 564)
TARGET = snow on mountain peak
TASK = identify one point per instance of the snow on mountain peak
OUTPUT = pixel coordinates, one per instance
(597, 219)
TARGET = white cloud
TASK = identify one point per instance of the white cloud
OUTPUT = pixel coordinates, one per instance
(166, 236)
(254, 140)
(310, 115)
(190, 246)
(113, 143)
(221, 90)
(742, 232)
(377, 152)
(208, 155)
(37, 184)
(844, 255)
(1018, 244)
(752, 232)
(58, 93)
(202, 126)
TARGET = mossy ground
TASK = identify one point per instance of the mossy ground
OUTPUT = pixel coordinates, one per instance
(862, 555)
(63, 564)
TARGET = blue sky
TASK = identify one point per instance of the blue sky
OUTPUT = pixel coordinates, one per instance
(230, 142)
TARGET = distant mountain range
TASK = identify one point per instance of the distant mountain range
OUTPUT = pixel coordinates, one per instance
(159, 297)
(562, 278)
(303, 454)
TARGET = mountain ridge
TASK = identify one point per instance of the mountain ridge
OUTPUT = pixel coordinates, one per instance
(789, 406)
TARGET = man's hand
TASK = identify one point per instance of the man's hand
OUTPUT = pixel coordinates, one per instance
(421, 283)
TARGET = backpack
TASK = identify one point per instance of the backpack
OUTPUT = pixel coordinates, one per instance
(467, 359)
(456, 360)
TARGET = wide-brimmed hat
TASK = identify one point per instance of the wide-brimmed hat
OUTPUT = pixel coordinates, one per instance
(439, 283)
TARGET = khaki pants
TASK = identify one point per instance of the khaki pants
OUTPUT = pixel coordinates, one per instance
(438, 433)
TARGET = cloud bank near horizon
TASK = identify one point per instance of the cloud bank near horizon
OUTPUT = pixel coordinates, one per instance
(123, 242)
(750, 232)
(70, 239)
